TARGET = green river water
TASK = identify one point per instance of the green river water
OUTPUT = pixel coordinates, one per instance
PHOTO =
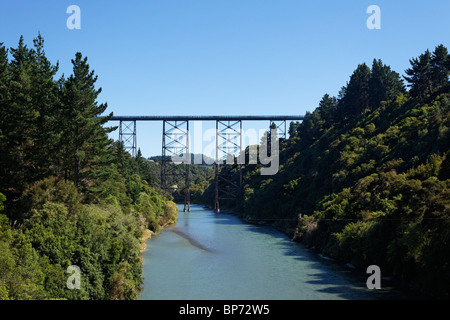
(208, 256)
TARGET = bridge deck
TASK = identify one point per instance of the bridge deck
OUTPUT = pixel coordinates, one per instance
(208, 118)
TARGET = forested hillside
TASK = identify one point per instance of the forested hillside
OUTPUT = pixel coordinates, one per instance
(69, 196)
(365, 179)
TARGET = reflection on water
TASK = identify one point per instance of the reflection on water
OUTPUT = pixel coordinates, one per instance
(207, 256)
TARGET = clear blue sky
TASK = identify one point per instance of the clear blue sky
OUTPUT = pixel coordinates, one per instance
(179, 57)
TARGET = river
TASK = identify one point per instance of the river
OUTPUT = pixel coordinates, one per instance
(208, 256)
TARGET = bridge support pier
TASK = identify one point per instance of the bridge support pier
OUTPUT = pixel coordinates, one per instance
(216, 196)
(127, 135)
(175, 150)
(228, 149)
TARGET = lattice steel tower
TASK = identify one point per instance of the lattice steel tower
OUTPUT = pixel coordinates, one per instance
(127, 135)
(175, 150)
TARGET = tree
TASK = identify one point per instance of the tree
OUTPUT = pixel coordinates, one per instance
(429, 72)
(4, 81)
(355, 100)
(47, 125)
(84, 140)
(4, 101)
(293, 127)
(2, 200)
(29, 103)
(327, 109)
(440, 66)
(18, 121)
(384, 84)
(45, 96)
(266, 139)
(419, 76)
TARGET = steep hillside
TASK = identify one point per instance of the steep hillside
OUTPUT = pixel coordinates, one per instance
(365, 179)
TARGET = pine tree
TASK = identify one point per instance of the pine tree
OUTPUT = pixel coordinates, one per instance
(327, 109)
(139, 161)
(45, 99)
(85, 141)
(440, 67)
(4, 80)
(355, 100)
(384, 84)
(293, 129)
(4, 101)
(420, 75)
(19, 122)
(272, 129)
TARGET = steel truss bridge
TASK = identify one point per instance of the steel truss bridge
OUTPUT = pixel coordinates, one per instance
(175, 144)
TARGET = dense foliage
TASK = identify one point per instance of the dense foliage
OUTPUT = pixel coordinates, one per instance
(365, 178)
(69, 195)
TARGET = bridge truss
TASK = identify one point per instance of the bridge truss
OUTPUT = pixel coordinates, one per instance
(228, 146)
(175, 149)
(127, 135)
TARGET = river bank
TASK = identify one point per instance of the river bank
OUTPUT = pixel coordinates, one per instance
(148, 234)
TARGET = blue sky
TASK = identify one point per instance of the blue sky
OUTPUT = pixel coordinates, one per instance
(206, 57)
